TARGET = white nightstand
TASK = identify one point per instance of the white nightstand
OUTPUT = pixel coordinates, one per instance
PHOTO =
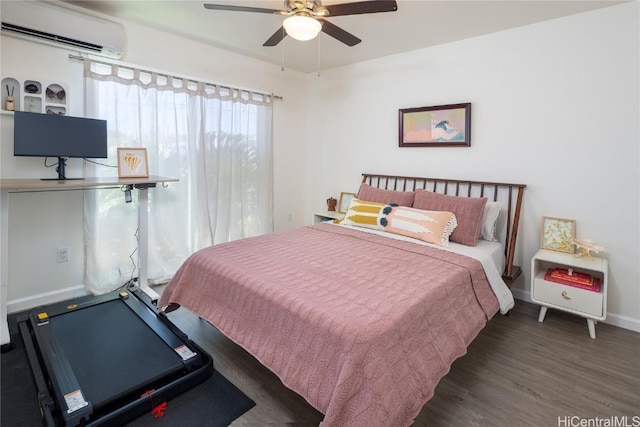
(319, 217)
(586, 303)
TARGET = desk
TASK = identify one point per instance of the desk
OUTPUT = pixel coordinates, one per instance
(24, 185)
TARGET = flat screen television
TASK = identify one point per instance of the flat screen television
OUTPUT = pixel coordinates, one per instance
(51, 135)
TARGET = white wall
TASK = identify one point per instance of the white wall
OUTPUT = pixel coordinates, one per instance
(554, 106)
(40, 223)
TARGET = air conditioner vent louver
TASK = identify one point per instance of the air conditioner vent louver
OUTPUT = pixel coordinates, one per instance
(50, 37)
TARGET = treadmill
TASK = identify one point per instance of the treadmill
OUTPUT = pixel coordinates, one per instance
(107, 359)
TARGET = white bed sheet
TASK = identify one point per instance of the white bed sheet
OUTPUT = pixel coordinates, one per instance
(489, 254)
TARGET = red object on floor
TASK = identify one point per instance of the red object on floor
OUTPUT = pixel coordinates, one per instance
(159, 410)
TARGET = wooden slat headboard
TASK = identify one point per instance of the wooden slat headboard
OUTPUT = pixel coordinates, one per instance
(508, 194)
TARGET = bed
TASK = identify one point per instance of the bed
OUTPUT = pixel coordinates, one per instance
(360, 321)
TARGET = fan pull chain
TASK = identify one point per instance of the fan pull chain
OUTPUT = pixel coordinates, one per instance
(283, 43)
(318, 58)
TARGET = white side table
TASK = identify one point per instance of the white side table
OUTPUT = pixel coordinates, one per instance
(319, 217)
(586, 303)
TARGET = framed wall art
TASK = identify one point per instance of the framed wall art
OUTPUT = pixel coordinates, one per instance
(437, 126)
(345, 201)
(132, 163)
(557, 234)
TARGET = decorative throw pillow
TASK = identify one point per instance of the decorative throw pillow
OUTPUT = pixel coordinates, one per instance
(379, 195)
(364, 214)
(429, 226)
(468, 212)
(490, 221)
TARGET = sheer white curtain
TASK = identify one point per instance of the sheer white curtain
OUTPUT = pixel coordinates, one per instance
(217, 141)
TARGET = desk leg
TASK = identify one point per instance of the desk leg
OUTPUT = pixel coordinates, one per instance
(4, 266)
(143, 244)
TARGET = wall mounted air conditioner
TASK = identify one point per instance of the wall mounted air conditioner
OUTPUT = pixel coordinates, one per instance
(59, 26)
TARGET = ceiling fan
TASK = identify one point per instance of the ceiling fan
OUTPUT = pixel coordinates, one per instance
(306, 18)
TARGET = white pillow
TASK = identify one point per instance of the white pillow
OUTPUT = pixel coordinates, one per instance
(490, 220)
(364, 214)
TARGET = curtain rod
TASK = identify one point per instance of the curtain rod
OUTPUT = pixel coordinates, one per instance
(82, 58)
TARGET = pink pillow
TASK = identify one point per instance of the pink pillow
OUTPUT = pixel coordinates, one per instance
(468, 212)
(372, 194)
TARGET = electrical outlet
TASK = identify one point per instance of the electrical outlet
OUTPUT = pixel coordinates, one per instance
(289, 217)
(63, 254)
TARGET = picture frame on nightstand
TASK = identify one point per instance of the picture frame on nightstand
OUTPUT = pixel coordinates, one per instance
(557, 234)
(345, 201)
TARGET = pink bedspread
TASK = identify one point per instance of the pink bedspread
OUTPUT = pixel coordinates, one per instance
(362, 326)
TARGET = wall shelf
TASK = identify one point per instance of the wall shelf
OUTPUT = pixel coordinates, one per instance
(36, 96)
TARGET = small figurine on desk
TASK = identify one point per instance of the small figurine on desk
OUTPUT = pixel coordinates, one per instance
(331, 203)
(586, 247)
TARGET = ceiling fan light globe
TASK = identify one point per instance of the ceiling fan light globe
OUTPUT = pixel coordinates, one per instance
(302, 28)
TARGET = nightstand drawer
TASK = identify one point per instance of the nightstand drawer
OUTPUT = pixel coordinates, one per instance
(576, 299)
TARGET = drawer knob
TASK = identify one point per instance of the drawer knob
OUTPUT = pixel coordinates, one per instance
(565, 295)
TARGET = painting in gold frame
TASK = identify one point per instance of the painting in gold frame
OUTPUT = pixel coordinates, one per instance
(557, 234)
(345, 201)
(132, 162)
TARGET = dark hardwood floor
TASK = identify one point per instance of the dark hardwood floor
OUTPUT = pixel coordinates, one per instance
(517, 372)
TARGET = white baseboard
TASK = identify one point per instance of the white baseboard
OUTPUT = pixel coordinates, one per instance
(623, 321)
(21, 304)
(612, 318)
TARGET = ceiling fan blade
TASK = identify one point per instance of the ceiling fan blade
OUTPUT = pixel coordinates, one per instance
(276, 37)
(241, 8)
(358, 8)
(338, 33)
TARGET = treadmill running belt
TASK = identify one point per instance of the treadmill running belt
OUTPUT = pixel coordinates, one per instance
(112, 352)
